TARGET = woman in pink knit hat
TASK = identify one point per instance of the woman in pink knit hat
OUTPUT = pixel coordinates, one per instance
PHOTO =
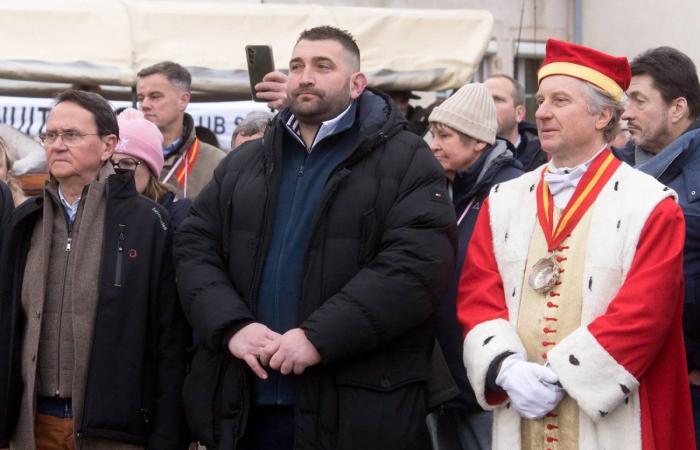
(140, 149)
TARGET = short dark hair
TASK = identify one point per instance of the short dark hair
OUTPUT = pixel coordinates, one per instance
(329, 33)
(207, 136)
(102, 113)
(673, 73)
(177, 75)
(518, 89)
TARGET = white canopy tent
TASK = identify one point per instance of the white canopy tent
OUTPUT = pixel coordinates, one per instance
(49, 45)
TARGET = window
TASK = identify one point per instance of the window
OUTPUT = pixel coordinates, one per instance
(529, 57)
(482, 72)
(526, 72)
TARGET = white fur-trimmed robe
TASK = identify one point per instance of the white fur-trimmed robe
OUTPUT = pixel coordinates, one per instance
(607, 393)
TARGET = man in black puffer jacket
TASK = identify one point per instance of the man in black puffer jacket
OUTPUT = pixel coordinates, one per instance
(322, 249)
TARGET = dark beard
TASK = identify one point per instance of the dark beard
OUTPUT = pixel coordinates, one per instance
(325, 109)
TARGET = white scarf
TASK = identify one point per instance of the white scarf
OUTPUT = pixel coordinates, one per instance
(562, 181)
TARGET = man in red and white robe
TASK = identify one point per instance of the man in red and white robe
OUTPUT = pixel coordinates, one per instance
(572, 290)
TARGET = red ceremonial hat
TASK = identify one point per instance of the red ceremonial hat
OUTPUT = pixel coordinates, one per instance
(610, 73)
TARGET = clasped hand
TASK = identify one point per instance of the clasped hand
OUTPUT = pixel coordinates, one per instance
(261, 347)
(533, 389)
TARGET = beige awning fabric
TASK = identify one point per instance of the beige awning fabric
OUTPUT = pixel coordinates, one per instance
(105, 42)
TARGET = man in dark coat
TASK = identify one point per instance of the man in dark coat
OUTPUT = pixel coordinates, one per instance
(92, 336)
(663, 118)
(521, 136)
(312, 267)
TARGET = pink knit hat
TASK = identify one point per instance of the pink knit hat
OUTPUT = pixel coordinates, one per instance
(140, 138)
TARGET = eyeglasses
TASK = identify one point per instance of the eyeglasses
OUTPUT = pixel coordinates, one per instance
(126, 163)
(68, 137)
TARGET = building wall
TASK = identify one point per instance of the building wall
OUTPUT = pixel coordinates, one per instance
(626, 28)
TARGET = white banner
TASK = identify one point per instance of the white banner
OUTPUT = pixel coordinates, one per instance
(29, 115)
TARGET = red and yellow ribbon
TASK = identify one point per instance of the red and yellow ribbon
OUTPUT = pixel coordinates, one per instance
(188, 163)
(596, 177)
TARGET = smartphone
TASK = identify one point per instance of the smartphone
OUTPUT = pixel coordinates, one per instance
(260, 63)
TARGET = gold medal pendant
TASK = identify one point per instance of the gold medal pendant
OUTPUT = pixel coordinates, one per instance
(544, 275)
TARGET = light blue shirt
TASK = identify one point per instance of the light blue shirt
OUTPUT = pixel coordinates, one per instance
(172, 147)
(70, 208)
(326, 129)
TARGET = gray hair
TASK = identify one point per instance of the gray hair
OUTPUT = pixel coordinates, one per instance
(598, 101)
(253, 123)
(177, 75)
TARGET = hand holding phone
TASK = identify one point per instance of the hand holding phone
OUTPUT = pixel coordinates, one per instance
(273, 90)
(260, 63)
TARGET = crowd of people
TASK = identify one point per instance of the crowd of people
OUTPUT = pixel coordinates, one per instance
(358, 273)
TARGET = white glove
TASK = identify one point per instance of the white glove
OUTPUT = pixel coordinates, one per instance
(532, 388)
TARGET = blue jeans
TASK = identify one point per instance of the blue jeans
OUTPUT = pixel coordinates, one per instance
(269, 428)
(453, 429)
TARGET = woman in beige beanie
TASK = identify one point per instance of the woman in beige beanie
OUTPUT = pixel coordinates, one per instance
(463, 130)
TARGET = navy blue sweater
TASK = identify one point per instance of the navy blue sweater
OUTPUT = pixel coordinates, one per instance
(304, 175)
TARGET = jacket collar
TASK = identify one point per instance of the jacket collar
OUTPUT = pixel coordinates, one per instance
(375, 113)
(104, 173)
(682, 156)
(184, 141)
(342, 122)
(378, 120)
(656, 165)
(469, 182)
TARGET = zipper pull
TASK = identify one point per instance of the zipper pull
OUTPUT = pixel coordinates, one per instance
(68, 244)
(120, 242)
(301, 171)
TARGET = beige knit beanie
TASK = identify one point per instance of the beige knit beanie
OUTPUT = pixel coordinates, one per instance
(470, 111)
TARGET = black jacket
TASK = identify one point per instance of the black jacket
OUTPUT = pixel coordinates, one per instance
(379, 260)
(417, 119)
(6, 206)
(177, 207)
(529, 152)
(137, 361)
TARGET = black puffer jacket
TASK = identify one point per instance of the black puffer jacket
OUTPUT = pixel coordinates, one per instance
(137, 361)
(6, 206)
(379, 260)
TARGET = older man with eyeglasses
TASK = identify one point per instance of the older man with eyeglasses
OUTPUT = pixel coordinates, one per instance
(92, 335)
